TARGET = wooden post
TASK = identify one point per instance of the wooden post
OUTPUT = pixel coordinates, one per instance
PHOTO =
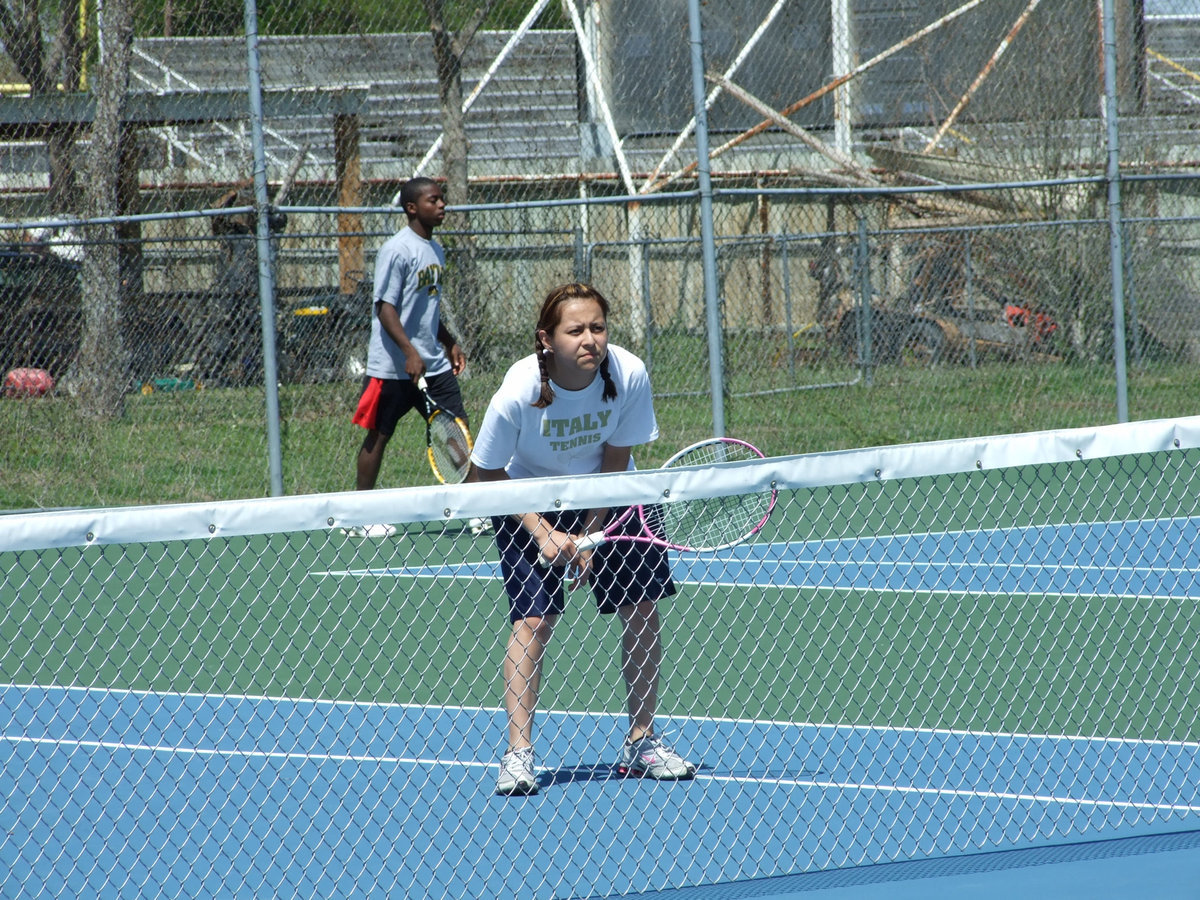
(348, 167)
(129, 203)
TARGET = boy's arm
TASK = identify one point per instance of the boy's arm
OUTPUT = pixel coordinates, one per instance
(458, 359)
(389, 320)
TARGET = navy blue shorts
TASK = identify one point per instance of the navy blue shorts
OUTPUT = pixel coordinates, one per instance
(624, 573)
(385, 401)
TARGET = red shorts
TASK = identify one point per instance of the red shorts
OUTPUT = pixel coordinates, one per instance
(384, 402)
(368, 404)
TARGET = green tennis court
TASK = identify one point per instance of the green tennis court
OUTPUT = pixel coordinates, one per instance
(420, 618)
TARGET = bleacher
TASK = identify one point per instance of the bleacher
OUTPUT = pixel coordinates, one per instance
(1173, 65)
(524, 122)
(527, 123)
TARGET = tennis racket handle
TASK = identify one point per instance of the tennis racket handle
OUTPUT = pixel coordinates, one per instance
(422, 384)
(587, 542)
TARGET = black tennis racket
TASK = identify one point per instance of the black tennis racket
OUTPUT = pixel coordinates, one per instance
(447, 440)
(703, 525)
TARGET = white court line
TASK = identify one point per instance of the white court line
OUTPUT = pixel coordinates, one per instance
(301, 756)
(861, 787)
(114, 746)
(615, 717)
(954, 564)
(464, 570)
(434, 573)
(472, 571)
(1009, 529)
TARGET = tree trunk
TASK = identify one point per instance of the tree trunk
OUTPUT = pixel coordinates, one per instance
(67, 61)
(448, 50)
(46, 65)
(102, 365)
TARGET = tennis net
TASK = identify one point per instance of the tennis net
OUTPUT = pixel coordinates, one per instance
(928, 651)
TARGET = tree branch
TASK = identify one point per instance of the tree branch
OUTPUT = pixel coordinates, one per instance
(22, 35)
(466, 34)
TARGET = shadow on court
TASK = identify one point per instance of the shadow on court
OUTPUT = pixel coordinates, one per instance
(582, 774)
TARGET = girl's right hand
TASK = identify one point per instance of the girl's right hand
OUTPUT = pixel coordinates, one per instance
(558, 549)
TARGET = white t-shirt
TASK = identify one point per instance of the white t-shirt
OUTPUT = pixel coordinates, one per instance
(408, 275)
(568, 436)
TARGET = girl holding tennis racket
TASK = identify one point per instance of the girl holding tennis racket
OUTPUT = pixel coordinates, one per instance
(577, 405)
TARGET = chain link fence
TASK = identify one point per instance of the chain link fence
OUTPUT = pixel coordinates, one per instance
(949, 242)
(923, 248)
(928, 655)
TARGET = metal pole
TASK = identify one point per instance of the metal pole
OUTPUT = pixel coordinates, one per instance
(266, 283)
(707, 240)
(862, 257)
(789, 337)
(843, 59)
(1115, 216)
(969, 288)
(647, 305)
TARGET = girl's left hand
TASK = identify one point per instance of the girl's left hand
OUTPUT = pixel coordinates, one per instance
(580, 569)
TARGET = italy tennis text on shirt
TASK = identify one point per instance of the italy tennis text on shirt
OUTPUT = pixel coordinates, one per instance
(575, 424)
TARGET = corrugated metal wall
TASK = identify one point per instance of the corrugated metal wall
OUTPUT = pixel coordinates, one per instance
(1052, 66)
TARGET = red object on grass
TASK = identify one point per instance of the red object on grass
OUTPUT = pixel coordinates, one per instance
(27, 383)
(1022, 317)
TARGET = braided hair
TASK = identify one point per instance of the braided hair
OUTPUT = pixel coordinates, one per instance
(549, 319)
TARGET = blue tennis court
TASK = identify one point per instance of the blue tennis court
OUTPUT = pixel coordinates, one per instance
(250, 794)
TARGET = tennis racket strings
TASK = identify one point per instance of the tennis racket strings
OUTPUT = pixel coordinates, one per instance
(449, 441)
(711, 523)
(712, 451)
(449, 448)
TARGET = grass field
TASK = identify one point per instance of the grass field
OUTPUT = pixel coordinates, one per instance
(212, 444)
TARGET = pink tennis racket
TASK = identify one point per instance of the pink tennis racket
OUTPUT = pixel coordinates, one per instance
(703, 525)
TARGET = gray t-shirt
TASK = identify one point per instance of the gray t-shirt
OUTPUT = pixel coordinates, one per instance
(408, 275)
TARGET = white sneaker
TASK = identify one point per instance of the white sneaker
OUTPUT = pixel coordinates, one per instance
(649, 757)
(370, 531)
(480, 525)
(518, 775)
